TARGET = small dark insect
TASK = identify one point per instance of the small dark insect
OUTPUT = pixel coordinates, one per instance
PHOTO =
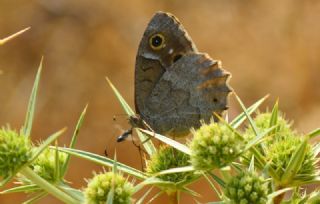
(135, 122)
(124, 136)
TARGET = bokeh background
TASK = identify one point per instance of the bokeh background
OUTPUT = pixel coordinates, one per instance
(269, 47)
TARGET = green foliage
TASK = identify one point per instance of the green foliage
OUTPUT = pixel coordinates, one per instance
(15, 151)
(101, 184)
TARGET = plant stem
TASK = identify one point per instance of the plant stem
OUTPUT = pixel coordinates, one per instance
(48, 187)
(173, 198)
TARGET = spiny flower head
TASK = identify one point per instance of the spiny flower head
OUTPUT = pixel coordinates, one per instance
(280, 153)
(214, 145)
(15, 151)
(100, 185)
(45, 164)
(262, 121)
(247, 188)
(166, 158)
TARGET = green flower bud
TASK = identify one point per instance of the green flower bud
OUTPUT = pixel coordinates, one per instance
(101, 184)
(166, 158)
(45, 164)
(262, 122)
(214, 146)
(250, 189)
(281, 152)
(15, 151)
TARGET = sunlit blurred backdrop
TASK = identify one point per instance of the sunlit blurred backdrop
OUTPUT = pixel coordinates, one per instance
(268, 46)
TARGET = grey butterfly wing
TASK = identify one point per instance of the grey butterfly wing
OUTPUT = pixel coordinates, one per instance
(189, 91)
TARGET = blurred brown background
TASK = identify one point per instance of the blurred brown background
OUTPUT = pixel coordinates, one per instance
(269, 47)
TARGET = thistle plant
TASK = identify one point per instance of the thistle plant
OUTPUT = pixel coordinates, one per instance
(277, 151)
(17, 149)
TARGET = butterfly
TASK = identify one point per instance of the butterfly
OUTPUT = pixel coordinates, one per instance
(176, 86)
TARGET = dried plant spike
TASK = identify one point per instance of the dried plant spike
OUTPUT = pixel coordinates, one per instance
(5, 40)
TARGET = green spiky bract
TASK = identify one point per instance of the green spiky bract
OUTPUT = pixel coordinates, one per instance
(214, 145)
(101, 184)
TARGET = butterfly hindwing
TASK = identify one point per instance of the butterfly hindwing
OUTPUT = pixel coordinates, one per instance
(189, 91)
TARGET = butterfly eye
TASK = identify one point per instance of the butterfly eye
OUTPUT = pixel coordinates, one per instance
(156, 41)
